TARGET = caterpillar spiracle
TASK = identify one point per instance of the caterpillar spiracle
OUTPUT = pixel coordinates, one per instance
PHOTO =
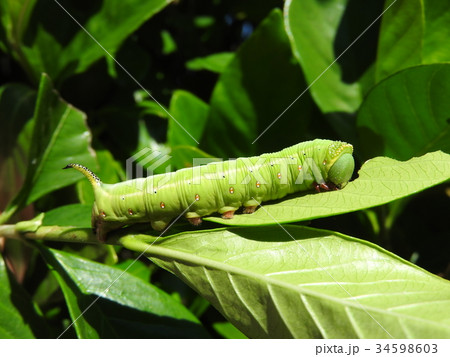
(221, 187)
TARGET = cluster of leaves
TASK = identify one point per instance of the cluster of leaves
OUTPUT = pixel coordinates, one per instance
(75, 77)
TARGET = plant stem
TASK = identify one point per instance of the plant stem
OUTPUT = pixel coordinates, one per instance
(52, 233)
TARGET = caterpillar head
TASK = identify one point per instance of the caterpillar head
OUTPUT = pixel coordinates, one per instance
(342, 163)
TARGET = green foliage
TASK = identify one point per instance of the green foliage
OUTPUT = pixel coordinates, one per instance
(224, 72)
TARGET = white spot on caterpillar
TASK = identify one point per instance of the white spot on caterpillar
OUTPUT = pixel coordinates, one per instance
(123, 198)
(103, 214)
(279, 175)
(258, 184)
(154, 191)
(324, 162)
(231, 190)
(130, 211)
(162, 205)
(197, 197)
(299, 167)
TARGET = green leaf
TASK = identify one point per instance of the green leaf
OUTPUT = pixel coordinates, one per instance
(74, 215)
(216, 62)
(412, 33)
(312, 27)
(126, 305)
(381, 180)
(306, 283)
(135, 268)
(60, 137)
(259, 83)
(148, 105)
(189, 111)
(17, 314)
(407, 114)
(169, 44)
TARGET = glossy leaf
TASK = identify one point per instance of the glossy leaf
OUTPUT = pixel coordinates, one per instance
(127, 306)
(60, 137)
(293, 281)
(407, 114)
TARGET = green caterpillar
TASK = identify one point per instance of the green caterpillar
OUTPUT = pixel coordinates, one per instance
(219, 186)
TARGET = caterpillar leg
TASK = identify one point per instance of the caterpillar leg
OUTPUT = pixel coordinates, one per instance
(324, 186)
(249, 209)
(195, 221)
(228, 214)
(159, 225)
(101, 228)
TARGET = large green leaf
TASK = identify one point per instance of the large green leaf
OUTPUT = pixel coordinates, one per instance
(259, 83)
(407, 114)
(312, 27)
(127, 305)
(413, 32)
(50, 41)
(381, 180)
(291, 281)
(60, 137)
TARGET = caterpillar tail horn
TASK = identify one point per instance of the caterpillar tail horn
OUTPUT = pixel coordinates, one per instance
(93, 178)
(100, 227)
